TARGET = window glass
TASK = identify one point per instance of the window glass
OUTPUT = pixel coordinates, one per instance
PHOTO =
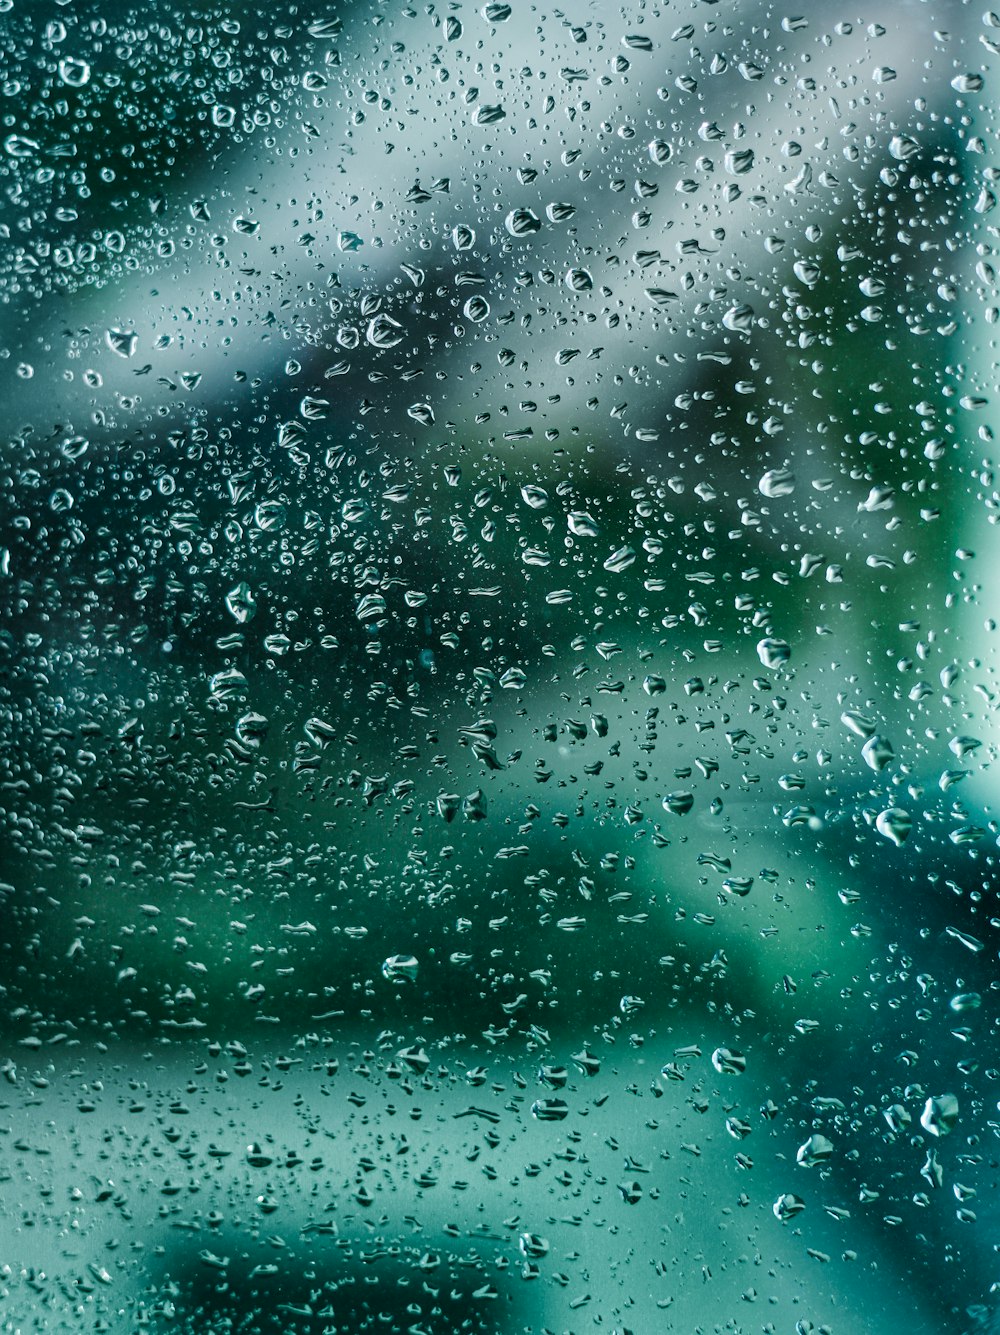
(498, 667)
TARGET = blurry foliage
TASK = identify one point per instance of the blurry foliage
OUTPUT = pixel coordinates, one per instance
(202, 857)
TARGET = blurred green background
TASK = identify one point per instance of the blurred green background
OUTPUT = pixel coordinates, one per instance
(497, 515)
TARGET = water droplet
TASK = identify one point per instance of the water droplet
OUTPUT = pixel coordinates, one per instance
(620, 560)
(774, 653)
(269, 516)
(523, 222)
(251, 729)
(241, 603)
(383, 331)
(582, 524)
(370, 607)
(739, 318)
(877, 753)
(816, 1150)
(739, 161)
(550, 1110)
(122, 341)
(894, 824)
(902, 147)
(729, 1062)
(536, 497)
(533, 1246)
(228, 684)
(400, 969)
(73, 72)
(579, 280)
(940, 1115)
(476, 309)
(777, 482)
(19, 146)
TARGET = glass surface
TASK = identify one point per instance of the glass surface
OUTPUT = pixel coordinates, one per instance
(498, 668)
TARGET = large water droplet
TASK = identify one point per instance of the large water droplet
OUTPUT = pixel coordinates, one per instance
(894, 824)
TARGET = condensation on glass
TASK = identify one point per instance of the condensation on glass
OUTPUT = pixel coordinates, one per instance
(498, 668)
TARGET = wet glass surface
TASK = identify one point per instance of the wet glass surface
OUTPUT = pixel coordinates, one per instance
(498, 668)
